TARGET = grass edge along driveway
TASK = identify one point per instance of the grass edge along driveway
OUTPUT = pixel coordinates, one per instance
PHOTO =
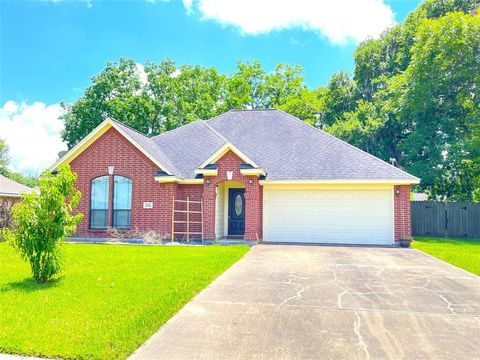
(109, 300)
(463, 253)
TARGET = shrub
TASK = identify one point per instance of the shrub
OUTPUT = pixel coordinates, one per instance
(154, 237)
(42, 221)
(6, 214)
(151, 237)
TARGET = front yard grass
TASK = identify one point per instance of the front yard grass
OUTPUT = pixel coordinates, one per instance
(464, 253)
(109, 300)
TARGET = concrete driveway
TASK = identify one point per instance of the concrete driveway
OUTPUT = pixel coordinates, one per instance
(311, 302)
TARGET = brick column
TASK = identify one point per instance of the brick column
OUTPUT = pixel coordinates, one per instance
(209, 197)
(253, 207)
(402, 211)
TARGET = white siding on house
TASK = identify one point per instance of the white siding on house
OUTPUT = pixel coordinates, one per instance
(219, 211)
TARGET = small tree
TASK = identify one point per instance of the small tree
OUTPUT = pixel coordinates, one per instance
(43, 219)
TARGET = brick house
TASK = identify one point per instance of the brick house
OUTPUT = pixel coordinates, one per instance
(255, 174)
(10, 192)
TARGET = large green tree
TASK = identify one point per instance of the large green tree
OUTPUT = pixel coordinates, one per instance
(153, 99)
(181, 94)
(164, 96)
(413, 96)
(417, 96)
(440, 103)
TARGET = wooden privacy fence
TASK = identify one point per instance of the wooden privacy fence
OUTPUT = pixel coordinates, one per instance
(454, 219)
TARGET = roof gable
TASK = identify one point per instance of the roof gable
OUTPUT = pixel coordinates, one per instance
(140, 141)
(223, 150)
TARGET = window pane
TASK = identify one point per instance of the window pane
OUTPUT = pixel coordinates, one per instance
(99, 203)
(121, 219)
(99, 196)
(99, 219)
(122, 202)
(122, 193)
(238, 205)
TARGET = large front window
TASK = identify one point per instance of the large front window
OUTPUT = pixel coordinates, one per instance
(122, 202)
(99, 203)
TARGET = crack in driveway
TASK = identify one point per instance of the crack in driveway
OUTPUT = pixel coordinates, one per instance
(309, 302)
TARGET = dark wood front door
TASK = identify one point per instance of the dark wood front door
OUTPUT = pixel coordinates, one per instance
(236, 211)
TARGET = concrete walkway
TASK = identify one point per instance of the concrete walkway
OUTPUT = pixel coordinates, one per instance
(310, 302)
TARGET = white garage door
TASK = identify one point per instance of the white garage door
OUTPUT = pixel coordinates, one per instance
(356, 216)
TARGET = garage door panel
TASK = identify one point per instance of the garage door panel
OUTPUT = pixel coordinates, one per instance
(329, 216)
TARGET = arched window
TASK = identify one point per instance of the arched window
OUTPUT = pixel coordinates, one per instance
(99, 203)
(122, 202)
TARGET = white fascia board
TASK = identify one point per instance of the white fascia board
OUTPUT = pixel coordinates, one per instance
(343, 181)
(223, 150)
(254, 171)
(94, 135)
(206, 172)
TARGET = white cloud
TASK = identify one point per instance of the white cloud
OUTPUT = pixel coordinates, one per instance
(142, 75)
(188, 5)
(32, 133)
(88, 3)
(338, 20)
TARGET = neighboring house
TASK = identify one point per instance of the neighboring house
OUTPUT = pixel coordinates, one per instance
(12, 190)
(259, 174)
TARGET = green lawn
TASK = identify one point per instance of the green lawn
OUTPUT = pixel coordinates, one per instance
(464, 253)
(110, 299)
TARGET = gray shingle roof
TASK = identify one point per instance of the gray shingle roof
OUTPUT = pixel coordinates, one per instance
(8, 187)
(188, 146)
(149, 145)
(286, 147)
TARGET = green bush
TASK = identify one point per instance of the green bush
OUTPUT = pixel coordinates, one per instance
(42, 221)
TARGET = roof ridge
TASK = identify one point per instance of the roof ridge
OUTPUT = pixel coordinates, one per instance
(266, 109)
(129, 127)
(225, 139)
(215, 131)
(172, 130)
(217, 116)
(346, 143)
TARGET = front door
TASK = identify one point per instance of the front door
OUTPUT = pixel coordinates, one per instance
(236, 211)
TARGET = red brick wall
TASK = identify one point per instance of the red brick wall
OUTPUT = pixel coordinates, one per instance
(194, 193)
(112, 149)
(402, 211)
(253, 197)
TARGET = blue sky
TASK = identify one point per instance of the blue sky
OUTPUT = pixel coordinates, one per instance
(50, 49)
